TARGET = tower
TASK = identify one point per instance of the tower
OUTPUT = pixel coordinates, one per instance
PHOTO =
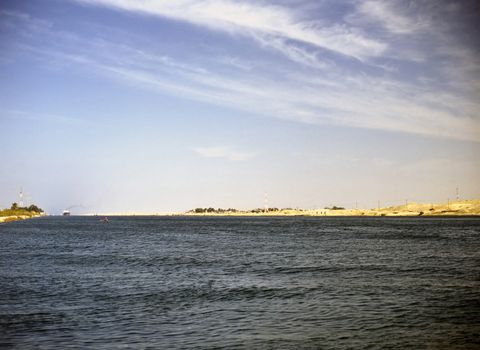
(20, 202)
(265, 200)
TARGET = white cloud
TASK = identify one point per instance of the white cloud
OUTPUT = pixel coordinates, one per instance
(292, 51)
(390, 17)
(254, 19)
(328, 96)
(223, 152)
(337, 99)
(236, 63)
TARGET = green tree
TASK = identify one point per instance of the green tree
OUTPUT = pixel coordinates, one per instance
(34, 209)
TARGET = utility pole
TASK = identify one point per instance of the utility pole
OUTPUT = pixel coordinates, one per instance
(266, 203)
(20, 203)
(458, 197)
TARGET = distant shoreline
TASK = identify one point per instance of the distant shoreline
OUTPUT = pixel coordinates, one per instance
(451, 208)
(460, 208)
(314, 215)
(467, 208)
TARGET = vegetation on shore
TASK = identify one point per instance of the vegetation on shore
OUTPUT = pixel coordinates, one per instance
(451, 208)
(16, 212)
(233, 211)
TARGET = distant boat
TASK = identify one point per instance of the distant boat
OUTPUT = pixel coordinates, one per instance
(66, 213)
(105, 220)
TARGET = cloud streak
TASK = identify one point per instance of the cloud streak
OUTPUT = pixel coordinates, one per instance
(390, 17)
(255, 19)
(313, 90)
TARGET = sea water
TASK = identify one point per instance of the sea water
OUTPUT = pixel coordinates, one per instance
(240, 283)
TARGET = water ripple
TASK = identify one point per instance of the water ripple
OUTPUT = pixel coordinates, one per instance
(240, 283)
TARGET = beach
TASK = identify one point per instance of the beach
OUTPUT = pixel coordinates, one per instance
(450, 208)
(17, 217)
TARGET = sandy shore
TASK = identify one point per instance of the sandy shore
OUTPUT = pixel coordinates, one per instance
(453, 208)
(17, 217)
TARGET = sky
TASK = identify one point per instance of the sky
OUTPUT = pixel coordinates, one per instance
(156, 106)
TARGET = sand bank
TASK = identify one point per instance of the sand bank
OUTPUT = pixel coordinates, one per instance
(452, 208)
(17, 217)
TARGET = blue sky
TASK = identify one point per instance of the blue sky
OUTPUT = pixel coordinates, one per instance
(155, 106)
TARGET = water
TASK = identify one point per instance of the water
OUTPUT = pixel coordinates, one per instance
(246, 283)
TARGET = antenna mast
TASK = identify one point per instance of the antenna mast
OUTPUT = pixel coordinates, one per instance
(20, 202)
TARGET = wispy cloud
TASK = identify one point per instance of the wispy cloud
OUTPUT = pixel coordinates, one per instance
(295, 53)
(224, 153)
(391, 17)
(253, 19)
(336, 99)
(316, 91)
(236, 62)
